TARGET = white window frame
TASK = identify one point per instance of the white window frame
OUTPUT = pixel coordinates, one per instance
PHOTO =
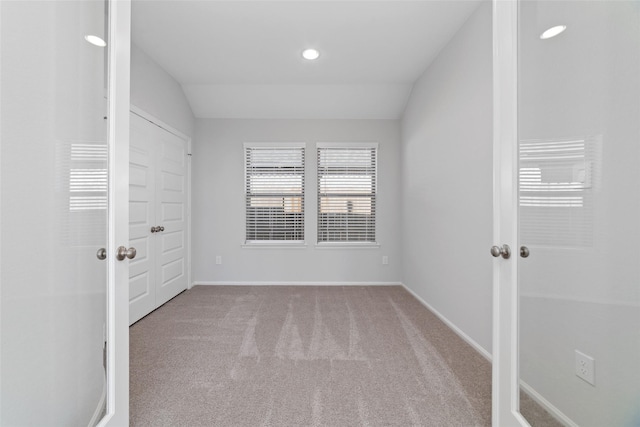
(347, 244)
(274, 243)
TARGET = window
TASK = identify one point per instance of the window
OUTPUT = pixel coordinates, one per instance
(274, 190)
(347, 182)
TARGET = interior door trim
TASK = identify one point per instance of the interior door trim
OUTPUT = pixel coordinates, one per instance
(505, 384)
(117, 411)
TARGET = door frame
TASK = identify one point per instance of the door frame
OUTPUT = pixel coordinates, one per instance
(117, 411)
(156, 121)
(505, 376)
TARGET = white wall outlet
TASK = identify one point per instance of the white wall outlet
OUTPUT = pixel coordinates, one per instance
(385, 260)
(218, 260)
(586, 367)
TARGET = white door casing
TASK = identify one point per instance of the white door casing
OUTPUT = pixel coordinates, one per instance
(158, 200)
(505, 387)
(117, 413)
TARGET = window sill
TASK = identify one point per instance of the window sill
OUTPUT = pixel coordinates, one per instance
(274, 245)
(348, 245)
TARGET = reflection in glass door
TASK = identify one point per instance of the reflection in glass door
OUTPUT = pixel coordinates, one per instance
(579, 211)
(54, 212)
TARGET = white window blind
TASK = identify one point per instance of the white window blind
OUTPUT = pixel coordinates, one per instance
(347, 181)
(556, 192)
(274, 185)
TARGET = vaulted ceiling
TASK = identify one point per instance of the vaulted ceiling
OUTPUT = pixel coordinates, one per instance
(242, 59)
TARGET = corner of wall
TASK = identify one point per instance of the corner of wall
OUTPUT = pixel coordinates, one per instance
(446, 164)
(158, 93)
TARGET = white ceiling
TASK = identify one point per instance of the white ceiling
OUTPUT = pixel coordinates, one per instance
(241, 59)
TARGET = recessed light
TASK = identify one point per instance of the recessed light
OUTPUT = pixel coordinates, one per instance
(553, 31)
(95, 40)
(310, 54)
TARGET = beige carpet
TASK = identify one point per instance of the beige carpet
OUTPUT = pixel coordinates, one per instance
(294, 356)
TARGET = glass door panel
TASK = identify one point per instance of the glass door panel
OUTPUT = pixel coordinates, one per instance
(579, 211)
(53, 166)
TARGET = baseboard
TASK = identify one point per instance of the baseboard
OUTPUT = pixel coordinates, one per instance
(452, 326)
(230, 283)
(550, 408)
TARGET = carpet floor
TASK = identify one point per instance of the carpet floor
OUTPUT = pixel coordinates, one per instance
(313, 356)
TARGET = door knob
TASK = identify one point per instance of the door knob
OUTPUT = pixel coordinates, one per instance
(154, 229)
(125, 253)
(505, 251)
(524, 251)
(160, 228)
(101, 254)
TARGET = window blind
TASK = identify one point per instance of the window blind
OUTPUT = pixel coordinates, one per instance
(347, 181)
(274, 183)
(556, 192)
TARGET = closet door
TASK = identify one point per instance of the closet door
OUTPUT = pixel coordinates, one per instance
(171, 214)
(158, 212)
(142, 216)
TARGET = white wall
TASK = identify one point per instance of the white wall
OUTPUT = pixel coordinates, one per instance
(158, 93)
(218, 207)
(447, 181)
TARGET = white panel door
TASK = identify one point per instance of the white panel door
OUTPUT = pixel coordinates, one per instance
(171, 214)
(157, 215)
(142, 216)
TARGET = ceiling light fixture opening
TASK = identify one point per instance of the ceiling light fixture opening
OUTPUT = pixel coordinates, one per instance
(95, 40)
(310, 54)
(553, 31)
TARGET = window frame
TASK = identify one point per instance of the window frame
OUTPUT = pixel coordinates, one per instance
(275, 243)
(338, 244)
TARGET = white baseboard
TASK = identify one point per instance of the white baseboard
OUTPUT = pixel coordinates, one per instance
(450, 324)
(230, 283)
(550, 408)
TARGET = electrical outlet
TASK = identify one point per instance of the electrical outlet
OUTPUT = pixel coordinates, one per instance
(385, 260)
(585, 367)
(218, 260)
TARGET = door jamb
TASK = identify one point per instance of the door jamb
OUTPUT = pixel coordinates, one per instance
(117, 411)
(505, 381)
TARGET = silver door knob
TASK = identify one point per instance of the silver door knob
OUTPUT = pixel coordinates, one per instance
(524, 251)
(160, 228)
(154, 229)
(101, 254)
(125, 253)
(504, 251)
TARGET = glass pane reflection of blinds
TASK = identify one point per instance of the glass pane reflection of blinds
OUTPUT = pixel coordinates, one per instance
(274, 193)
(83, 184)
(556, 191)
(347, 194)
(88, 177)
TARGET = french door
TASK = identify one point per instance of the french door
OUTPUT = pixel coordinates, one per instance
(566, 205)
(64, 80)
